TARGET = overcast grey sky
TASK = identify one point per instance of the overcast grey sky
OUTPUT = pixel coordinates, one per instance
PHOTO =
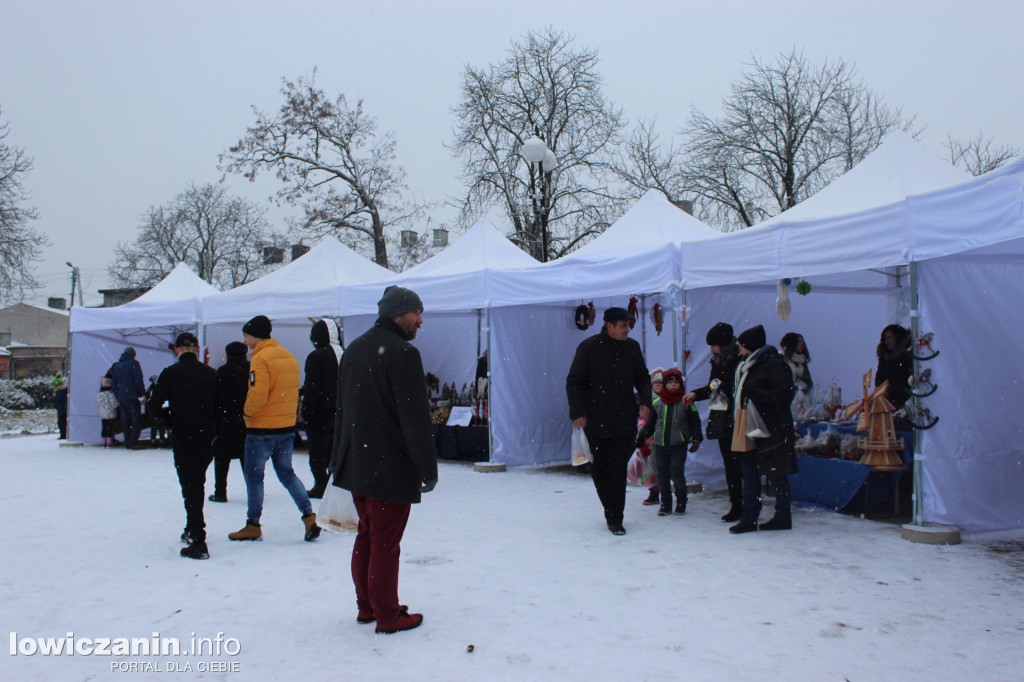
(122, 104)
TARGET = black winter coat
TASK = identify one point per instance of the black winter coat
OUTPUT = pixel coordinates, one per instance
(191, 389)
(600, 385)
(897, 368)
(383, 434)
(769, 385)
(232, 387)
(723, 368)
(320, 388)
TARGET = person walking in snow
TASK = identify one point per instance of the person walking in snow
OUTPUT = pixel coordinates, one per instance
(384, 451)
(271, 405)
(605, 371)
(232, 388)
(319, 398)
(189, 388)
(127, 384)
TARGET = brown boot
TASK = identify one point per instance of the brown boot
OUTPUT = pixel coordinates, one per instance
(405, 621)
(312, 530)
(252, 531)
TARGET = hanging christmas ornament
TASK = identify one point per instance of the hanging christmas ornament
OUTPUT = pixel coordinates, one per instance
(581, 318)
(657, 317)
(803, 287)
(924, 345)
(782, 305)
(633, 312)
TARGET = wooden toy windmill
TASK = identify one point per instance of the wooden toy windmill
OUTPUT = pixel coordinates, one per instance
(881, 446)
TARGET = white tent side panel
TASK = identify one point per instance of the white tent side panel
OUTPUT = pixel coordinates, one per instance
(92, 355)
(973, 467)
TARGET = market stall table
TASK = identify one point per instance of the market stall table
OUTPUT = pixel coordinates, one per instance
(841, 484)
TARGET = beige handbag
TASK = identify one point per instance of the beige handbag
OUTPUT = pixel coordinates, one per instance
(741, 442)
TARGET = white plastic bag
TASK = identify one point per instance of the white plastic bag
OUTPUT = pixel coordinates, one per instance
(580, 448)
(337, 510)
(755, 424)
(642, 469)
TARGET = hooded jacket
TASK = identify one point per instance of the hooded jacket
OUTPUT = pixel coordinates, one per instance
(126, 377)
(273, 398)
(319, 390)
(232, 389)
(383, 434)
(600, 385)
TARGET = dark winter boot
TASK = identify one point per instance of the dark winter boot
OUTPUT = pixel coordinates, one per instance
(653, 498)
(734, 514)
(680, 506)
(743, 527)
(196, 550)
(666, 509)
(218, 497)
(776, 524)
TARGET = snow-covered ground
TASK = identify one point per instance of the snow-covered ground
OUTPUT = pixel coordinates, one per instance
(518, 564)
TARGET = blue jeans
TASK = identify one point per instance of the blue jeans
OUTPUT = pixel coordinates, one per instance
(277, 447)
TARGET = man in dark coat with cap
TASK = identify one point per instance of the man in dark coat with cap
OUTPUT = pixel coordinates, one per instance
(605, 371)
(232, 386)
(319, 396)
(190, 389)
(384, 451)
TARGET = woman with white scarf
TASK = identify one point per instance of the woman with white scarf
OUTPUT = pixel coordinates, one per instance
(764, 381)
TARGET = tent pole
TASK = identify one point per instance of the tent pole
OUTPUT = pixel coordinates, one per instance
(682, 333)
(915, 332)
(642, 322)
(490, 407)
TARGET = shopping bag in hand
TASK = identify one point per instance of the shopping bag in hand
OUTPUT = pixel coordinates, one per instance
(755, 424)
(580, 448)
(337, 510)
(641, 470)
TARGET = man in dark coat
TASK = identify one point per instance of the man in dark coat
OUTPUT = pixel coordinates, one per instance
(725, 356)
(384, 451)
(190, 389)
(319, 397)
(765, 381)
(232, 385)
(127, 384)
(606, 370)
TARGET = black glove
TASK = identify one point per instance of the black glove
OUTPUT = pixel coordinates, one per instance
(640, 441)
(427, 486)
(695, 443)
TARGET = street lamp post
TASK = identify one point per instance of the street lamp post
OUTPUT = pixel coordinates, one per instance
(535, 151)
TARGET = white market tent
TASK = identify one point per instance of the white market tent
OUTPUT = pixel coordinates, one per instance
(967, 245)
(453, 286)
(308, 287)
(148, 324)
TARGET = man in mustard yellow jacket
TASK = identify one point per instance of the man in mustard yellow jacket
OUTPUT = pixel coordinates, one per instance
(270, 407)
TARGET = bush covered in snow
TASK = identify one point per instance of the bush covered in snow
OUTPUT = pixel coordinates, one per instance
(14, 397)
(40, 388)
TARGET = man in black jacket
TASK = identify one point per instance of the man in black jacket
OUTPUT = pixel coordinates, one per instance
(384, 451)
(319, 397)
(190, 389)
(606, 370)
(232, 386)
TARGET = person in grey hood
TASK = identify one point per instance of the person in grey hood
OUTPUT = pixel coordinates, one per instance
(319, 396)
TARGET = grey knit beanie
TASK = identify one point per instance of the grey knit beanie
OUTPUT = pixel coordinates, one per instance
(398, 301)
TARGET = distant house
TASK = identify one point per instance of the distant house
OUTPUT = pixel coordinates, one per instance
(115, 297)
(34, 339)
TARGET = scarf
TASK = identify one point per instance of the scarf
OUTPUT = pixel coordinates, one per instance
(672, 397)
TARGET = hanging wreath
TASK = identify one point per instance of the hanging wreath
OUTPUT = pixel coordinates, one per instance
(585, 316)
(633, 313)
(657, 317)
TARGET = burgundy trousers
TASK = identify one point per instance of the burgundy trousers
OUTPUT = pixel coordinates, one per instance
(375, 556)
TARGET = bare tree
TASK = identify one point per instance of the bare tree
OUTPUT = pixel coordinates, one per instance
(332, 161)
(549, 88)
(20, 243)
(979, 155)
(222, 238)
(787, 129)
(644, 163)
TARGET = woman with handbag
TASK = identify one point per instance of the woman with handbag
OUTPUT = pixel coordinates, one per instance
(725, 356)
(764, 384)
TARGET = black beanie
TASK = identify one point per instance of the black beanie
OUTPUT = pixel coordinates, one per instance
(719, 335)
(258, 326)
(236, 349)
(753, 339)
(398, 301)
